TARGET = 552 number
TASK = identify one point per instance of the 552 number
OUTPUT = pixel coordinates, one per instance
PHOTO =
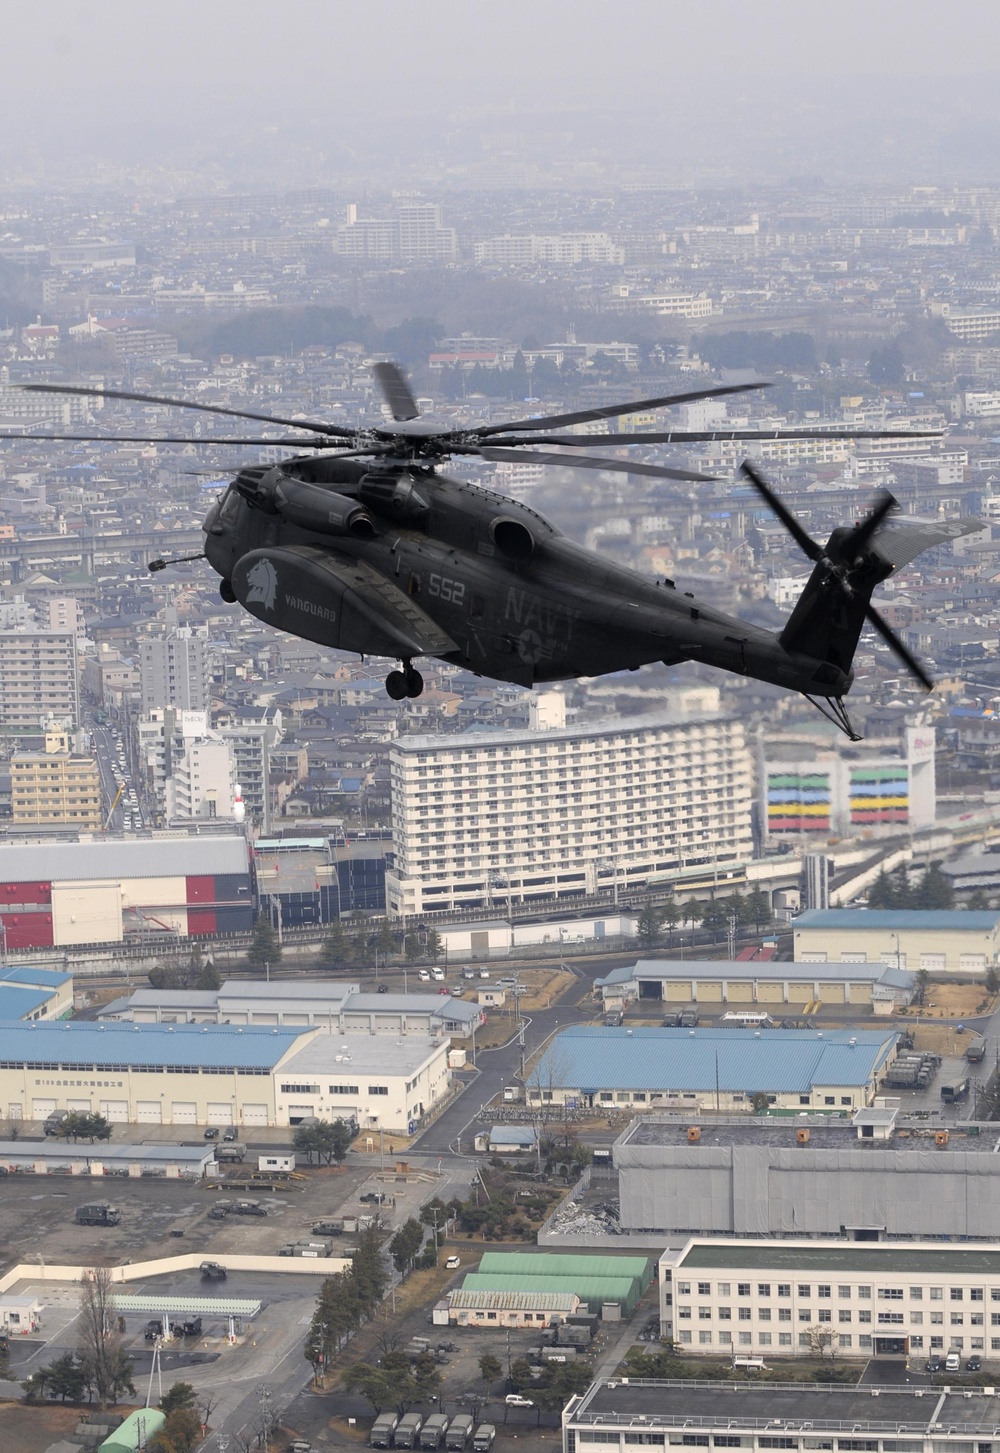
(446, 589)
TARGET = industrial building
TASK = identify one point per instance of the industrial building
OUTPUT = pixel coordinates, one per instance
(463, 1308)
(874, 1176)
(619, 1413)
(105, 1158)
(610, 1285)
(721, 1069)
(105, 890)
(27, 992)
(783, 988)
(219, 1074)
(935, 940)
(490, 817)
(783, 1298)
(334, 1005)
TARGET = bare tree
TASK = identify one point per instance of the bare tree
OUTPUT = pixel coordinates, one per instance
(107, 1367)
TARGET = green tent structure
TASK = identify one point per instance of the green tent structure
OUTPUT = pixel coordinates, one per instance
(135, 1432)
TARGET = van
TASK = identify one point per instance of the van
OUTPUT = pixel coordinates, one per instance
(953, 1362)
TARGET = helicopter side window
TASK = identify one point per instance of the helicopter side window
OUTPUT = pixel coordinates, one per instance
(230, 505)
(413, 585)
(477, 608)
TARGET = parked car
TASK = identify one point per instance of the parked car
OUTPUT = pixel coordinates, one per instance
(934, 1363)
(373, 1198)
(453, 1263)
(953, 1362)
(328, 1228)
(231, 1132)
(515, 1400)
(213, 1271)
(220, 1210)
(152, 1330)
(975, 1363)
(211, 1132)
(424, 976)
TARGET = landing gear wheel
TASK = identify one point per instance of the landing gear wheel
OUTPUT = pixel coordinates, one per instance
(395, 685)
(227, 592)
(414, 682)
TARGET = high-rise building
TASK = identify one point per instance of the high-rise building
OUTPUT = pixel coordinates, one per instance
(38, 680)
(174, 670)
(56, 787)
(201, 783)
(485, 817)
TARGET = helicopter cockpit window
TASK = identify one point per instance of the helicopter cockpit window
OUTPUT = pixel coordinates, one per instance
(413, 585)
(230, 505)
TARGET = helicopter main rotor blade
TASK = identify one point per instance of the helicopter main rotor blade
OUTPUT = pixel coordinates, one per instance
(897, 648)
(612, 411)
(396, 391)
(586, 461)
(805, 542)
(108, 393)
(306, 443)
(719, 436)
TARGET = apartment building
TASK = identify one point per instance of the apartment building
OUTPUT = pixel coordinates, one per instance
(56, 787)
(782, 1298)
(174, 670)
(38, 680)
(490, 818)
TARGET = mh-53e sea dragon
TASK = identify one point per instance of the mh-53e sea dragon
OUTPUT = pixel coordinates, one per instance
(367, 546)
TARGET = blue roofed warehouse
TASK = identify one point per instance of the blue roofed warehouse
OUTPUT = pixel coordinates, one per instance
(592, 1067)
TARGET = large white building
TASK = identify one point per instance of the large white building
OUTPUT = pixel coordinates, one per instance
(487, 817)
(784, 1298)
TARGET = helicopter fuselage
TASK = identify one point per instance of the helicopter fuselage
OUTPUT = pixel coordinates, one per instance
(410, 562)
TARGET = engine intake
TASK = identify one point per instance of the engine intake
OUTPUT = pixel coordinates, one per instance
(512, 538)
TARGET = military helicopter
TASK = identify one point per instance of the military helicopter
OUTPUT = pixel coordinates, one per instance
(372, 549)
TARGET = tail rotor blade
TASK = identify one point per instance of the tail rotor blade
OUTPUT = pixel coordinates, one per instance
(396, 391)
(897, 648)
(869, 525)
(784, 514)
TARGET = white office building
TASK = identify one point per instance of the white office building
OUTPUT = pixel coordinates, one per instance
(488, 819)
(782, 1298)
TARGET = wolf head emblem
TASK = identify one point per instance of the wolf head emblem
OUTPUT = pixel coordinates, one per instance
(263, 583)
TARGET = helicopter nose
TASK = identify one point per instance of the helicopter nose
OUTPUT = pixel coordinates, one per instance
(210, 518)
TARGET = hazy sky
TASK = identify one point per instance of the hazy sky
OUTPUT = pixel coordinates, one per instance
(103, 75)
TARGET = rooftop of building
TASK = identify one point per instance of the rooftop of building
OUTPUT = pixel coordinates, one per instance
(780, 1061)
(472, 1300)
(681, 969)
(17, 1002)
(326, 996)
(55, 1150)
(475, 741)
(123, 858)
(445, 1006)
(29, 974)
(156, 1046)
(366, 1054)
(779, 1132)
(776, 1407)
(870, 1259)
(947, 920)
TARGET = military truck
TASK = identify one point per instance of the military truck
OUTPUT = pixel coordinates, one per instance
(97, 1213)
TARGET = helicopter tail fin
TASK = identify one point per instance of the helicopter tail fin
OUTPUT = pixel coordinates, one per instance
(829, 615)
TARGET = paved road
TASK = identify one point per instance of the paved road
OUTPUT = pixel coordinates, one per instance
(454, 1129)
